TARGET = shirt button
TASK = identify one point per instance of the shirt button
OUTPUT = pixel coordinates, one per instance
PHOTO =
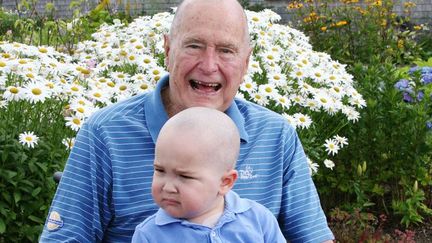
(213, 234)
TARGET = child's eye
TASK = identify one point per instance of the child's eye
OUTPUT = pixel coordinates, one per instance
(159, 170)
(186, 177)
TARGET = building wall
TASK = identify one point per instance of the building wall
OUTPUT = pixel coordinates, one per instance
(422, 13)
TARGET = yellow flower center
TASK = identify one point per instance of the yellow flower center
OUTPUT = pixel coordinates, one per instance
(74, 88)
(111, 84)
(29, 75)
(302, 119)
(28, 139)
(6, 55)
(2, 64)
(14, 90)
(36, 91)
(80, 110)
(43, 50)
(144, 86)
(248, 85)
(255, 19)
(120, 76)
(147, 61)
(97, 95)
(156, 72)
(123, 88)
(323, 100)
(76, 121)
(268, 89)
(22, 61)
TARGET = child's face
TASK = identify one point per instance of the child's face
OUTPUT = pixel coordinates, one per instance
(186, 182)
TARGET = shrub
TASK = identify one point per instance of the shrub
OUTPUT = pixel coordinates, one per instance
(352, 32)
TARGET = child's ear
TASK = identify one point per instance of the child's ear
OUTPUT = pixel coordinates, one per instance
(227, 182)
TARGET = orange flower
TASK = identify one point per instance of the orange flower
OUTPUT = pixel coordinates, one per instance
(341, 23)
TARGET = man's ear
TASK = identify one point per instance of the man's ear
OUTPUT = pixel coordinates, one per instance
(167, 49)
(227, 181)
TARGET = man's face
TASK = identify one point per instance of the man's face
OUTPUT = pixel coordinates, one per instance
(207, 56)
(186, 182)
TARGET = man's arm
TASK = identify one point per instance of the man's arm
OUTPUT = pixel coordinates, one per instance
(301, 217)
(80, 209)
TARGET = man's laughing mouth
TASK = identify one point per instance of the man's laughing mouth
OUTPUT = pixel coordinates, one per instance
(203, 86)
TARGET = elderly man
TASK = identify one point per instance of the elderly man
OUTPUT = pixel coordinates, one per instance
(106, 186)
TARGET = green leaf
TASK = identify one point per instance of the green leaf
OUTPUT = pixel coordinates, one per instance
(42, 166)
(2, 226)
(36, 191)
(17, 197)
(36, 219)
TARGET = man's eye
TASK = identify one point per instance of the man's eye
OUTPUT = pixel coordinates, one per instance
(193, 46)
(226, 51)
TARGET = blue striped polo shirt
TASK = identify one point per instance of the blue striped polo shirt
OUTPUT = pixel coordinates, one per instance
(105, 190)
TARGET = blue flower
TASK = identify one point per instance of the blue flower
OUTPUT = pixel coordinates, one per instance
(429, 125)
(407, 97)
(413, 70)
(427, 78)
(426, 70)
(420, 95)
(402, 84)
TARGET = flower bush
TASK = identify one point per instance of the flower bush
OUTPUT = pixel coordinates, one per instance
(353, 31)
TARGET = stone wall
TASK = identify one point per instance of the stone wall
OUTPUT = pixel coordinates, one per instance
(422, 13)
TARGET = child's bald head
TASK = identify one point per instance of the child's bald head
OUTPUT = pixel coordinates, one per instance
(212, 132)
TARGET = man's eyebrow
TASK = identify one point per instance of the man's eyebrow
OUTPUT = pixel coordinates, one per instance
(193, 40)
(219, 45)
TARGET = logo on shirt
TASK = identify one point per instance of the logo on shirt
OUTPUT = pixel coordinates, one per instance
(54, 221)
(247, 173)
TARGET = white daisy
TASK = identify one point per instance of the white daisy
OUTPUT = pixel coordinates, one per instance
(248, 85)
(259, 98)
(313, 167)
(341, 141)
(13, 93)
(36, 91)
(29, 139)
(332, 146)
(68, 142)
(74, 122)
(302, 121)
(291, 120)
(329, 164)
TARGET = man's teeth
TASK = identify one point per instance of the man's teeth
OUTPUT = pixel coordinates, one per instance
(205, 84)
(196, 84)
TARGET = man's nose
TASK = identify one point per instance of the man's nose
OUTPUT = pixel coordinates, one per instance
(209, 61)
(170, 187)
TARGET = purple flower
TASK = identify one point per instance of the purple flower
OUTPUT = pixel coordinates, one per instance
(413, 70)
(420, 95)
(429, 125)
(407, 97)
(427, 78)
(402, 84)
(426, 70)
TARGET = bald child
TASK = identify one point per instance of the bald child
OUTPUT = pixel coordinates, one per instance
(194, 171)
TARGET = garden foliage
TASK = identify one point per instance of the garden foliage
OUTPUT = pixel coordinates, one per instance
(388, 167)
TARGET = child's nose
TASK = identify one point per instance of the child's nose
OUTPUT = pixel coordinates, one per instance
(169, 187)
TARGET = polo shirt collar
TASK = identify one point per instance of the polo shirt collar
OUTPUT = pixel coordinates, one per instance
(233, 205)
(156, 115)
